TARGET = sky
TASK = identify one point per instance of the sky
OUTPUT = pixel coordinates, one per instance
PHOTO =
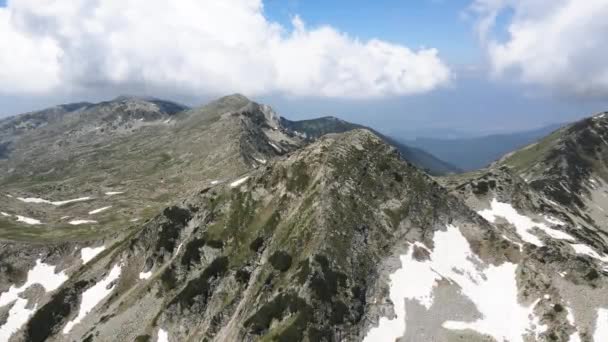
(443, 68)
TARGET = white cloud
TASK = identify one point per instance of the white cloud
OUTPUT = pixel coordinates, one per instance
(560, 44)
(197, 47)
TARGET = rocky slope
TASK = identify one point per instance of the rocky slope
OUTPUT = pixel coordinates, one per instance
(84, 173)
(268, 236)
(551, 194)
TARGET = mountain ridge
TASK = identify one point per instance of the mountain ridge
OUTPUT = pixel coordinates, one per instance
(263, 234)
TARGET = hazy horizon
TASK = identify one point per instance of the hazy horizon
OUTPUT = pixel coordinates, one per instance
(428, 67)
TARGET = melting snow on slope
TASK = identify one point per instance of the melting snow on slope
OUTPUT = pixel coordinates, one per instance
(601, 326)
(18, 315)
(4, 214)
(492, 289)
(523, 224)
(27, 220)
(79, 222)
(554, 221)
(584, 249)
(42, 274)
(162, 336)
(238, 182)
(97, 211)
(575, 336)
(112, 193)
(88, 253)
(93, 296)
(56, 203)
(261, 161)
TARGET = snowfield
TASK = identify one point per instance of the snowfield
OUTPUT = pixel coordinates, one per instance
(93, 296)
(18, 315)
(55, 203)
(523, 224)
(88, 253)
(493, 290)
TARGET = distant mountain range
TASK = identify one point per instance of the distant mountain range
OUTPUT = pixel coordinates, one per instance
(315, 128)
(473, 153)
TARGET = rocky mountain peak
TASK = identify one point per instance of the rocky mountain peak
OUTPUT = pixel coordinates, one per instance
(223, 223)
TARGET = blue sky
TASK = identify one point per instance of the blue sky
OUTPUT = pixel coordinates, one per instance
(413, 23)
(491, 88)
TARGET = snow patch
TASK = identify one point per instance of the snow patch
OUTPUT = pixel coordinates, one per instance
(4, 214)
(239, 182)
(215, 182)
(554, 221)
(27, 220)
(18, 315)
(112, 193)
(97, 211)
(93, 296)
(42, 274)
(55, 203)
(79, 222)
(493, 290)
(601, 326)
(163, 336)
(575, 336)
(88, 253)
(145, 275)
(523, 224)
(275, 147)
(261, 161)
(584, 249)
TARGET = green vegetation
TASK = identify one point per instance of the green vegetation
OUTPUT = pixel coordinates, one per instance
(527, 157)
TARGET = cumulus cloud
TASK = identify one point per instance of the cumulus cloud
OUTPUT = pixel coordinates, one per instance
(560, 44)
(198, 47)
